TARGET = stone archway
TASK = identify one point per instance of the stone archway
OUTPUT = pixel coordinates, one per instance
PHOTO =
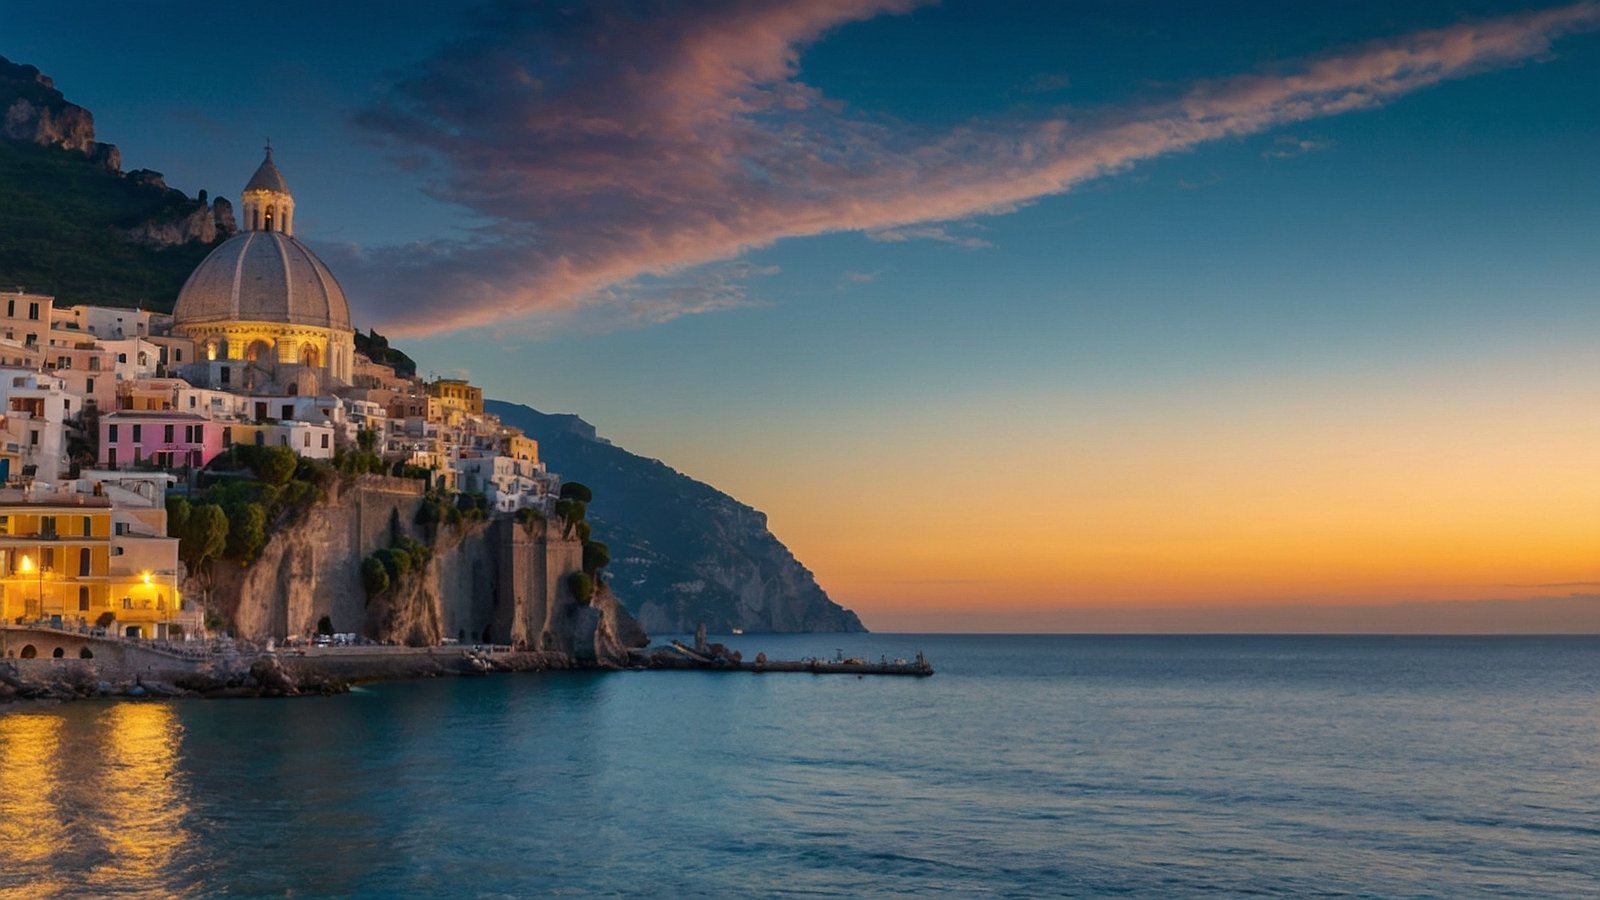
(86, 653)
(29, 651)
(58, 653)
(258, 351)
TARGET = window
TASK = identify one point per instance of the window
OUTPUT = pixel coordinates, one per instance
(324, 442)
(83, 561)
(94, 365)
(283, 440)
(63, 362)
(111, 457)
(307, 441)
(138, 433)
(177, 355)
(122, 357)
(88, 385)
(227, 376)
(66, 406)
(191, 401)
(111, 433)
(33, 437)
(166, 433)
(11, 308)
(33, 311)
(47, 556)
(88, 526)
(83, 596)
(288, 411)
(5, 524)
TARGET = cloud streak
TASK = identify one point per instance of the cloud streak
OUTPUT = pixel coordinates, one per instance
(629, 141)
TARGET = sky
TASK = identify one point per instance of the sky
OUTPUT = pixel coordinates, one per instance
(1011, 316)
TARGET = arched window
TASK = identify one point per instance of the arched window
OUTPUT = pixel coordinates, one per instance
(258, 351)
(58, 653)
(309, 356)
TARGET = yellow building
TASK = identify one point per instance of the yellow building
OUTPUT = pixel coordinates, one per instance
(56, 568)
(456, 396)
(522, 448)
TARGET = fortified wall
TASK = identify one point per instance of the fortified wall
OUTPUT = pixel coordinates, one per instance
(496, 581)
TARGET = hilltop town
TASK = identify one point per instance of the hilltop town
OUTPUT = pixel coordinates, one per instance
(119, 425)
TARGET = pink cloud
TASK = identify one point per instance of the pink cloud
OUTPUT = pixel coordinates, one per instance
(607, 145)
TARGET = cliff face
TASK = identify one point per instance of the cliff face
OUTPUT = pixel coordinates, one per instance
(72, 224)
(38, 113)
(495, 581)
(682, 552)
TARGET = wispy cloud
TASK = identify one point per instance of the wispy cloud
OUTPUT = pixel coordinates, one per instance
(940, 233)
(1286, 146)
(621, 142)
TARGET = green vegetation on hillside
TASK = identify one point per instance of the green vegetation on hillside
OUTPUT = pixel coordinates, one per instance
(59, 215)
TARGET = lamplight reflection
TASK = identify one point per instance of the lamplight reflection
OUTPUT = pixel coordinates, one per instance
(139, 802)
(32, 822)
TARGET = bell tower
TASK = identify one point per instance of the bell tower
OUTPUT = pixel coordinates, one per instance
(268, 205)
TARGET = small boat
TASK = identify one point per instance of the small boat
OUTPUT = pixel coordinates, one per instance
(738, 631)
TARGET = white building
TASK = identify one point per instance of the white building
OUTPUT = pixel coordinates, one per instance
(35, 408)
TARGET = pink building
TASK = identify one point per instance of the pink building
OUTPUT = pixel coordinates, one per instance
(166, 439)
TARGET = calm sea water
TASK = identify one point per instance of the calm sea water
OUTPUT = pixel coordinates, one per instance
(1145, 766)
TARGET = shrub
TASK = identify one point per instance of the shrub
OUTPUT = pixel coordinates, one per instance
(581, 586)
(595, 556)
(573, 490)
(374, 577)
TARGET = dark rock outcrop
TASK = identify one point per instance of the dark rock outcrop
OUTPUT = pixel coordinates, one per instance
(682, 552)
(38, 113)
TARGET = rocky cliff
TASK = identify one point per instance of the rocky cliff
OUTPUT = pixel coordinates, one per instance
(682, 552)
(72, 223)
(497, 581)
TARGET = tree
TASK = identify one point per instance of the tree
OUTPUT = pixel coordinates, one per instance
(571, 512)
(204, 536)
(275, 465)
(247, 532)
(595, 556)
(581, 586)
(374, 576)
(573, 490)
(178, 510)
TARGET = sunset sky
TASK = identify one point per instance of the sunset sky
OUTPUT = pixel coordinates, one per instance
(1011, 315)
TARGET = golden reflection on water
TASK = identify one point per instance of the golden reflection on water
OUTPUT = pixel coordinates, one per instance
(32, 827)
(140, 797)
(95, 792)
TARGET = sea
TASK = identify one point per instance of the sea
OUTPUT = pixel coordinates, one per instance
(1028, 766)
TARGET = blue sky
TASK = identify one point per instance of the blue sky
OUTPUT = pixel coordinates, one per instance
(1366, 268)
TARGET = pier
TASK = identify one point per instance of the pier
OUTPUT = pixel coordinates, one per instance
(716, 657)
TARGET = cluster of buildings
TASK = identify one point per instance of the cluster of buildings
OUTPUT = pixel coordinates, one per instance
(259, 350)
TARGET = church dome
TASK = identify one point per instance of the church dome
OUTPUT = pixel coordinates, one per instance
(262, 276)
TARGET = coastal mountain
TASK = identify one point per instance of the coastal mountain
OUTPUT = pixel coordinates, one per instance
(682, 552)
(73, 224)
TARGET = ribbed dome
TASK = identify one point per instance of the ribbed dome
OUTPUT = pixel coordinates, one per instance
(262, 276)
